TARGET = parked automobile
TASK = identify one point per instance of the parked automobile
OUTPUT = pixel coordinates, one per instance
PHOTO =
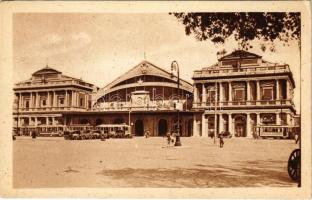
(85, 135)
(95, 134)
(71, 135)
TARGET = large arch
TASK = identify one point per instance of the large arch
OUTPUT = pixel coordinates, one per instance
(162, 127)
(240, 126)
(139, 127)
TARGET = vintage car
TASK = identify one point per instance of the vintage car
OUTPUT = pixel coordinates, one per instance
(71, 135)
(95, 134)
(85, 135)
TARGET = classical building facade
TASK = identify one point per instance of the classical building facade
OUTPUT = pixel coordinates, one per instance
(47, 95)
(236, 94)
(240, 92)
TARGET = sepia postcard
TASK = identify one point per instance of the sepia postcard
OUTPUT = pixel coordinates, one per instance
(155, 99)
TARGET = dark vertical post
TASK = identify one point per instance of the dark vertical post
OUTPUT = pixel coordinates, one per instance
(178, 141)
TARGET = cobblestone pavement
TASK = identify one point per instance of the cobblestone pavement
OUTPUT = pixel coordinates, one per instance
(147, 162)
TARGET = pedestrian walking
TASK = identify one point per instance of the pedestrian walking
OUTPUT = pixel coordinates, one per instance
(33, 134)
(221, 140)
(168, 138)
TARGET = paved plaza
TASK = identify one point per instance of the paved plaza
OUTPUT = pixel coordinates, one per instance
(147, 162)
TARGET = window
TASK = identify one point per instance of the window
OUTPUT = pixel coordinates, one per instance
(239, 94)
(44, 102)
(211, 96)
(267, 93)
(81, 102)
(27, 104)
(61, 101)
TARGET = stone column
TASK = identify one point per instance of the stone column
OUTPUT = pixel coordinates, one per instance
(73, 98)
(204, 130)
(278, 119)
(277, 90)
(204, 96)
(36, 121)
(230, 92)
(195, 95)
(37, 100)
(49, 100)
(86, 101)
(53, 121)
(54, 100)
(220, 123)
(66, 99)
(31, 101)
(20, 100)
(221, 94)
(78, 99)
(248, 126)
(230, 124)
(248, 92)
(195, 130)
(258, 92)
(258, 119)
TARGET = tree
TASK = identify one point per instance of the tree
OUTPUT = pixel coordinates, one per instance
(244, 26)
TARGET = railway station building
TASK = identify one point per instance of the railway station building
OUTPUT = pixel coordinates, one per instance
(236, 94)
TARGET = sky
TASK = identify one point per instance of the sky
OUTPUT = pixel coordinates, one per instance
(99, 47)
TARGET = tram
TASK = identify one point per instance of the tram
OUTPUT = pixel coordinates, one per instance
(277, 131)
(41, 130)
(115, 130)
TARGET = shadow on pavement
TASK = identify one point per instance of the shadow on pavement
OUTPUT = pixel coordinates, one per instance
(246, 174)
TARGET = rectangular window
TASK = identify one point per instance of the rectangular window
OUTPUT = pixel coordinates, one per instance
(211, 96)
(61, 101)
(267, 93)
(81, 102)
(239, 94)
(44, 102)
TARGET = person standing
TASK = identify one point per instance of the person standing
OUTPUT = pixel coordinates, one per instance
(221, 140)
(168, 139)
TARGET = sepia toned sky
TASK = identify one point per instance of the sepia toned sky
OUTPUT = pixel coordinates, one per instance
(100, 47)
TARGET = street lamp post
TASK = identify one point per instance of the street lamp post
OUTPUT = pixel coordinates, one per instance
(175, 66)
(154, 90)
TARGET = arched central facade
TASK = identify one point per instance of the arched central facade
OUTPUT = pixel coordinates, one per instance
(150, 93)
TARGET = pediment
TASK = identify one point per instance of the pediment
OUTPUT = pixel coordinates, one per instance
(239, 54)
(46, 70)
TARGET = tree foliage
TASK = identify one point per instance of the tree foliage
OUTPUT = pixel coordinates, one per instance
(244, 26)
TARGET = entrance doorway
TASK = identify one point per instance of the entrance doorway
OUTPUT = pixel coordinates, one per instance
(190, 127)
(240, 126)
(139, 128)
(162, 127)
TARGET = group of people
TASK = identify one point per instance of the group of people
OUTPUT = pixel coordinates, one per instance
(171, 137)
